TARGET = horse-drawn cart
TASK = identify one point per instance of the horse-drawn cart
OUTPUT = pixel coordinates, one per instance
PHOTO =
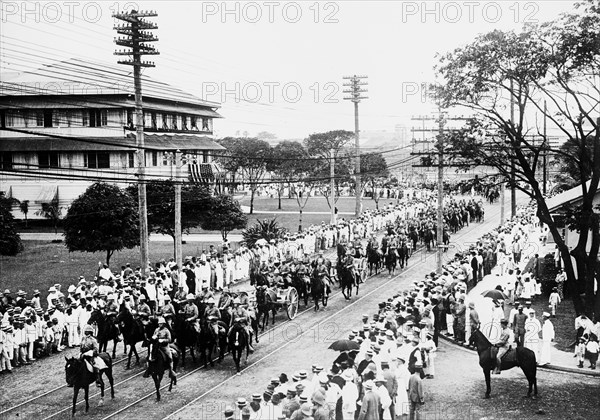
(287, 298)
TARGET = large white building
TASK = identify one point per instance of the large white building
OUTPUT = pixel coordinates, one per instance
(67, 124)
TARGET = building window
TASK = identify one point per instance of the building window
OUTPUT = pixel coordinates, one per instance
(184, 122)
(154, 158)
(97, 160)
(39, 118)
(194, 123)
(205, 156)
(48, 160)
(2, 119)
(6, 160)
(98, 117)
(131, 159)
(69, 118)
(174, 122)
(130, 123)
(47, 118)
(165, 124)
(205, 124)
(153, 122)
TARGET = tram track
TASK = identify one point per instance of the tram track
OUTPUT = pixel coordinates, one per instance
(124, 383)
(6, 411)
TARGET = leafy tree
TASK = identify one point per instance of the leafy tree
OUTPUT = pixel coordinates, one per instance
(553, 62)
(52, 212)
(374, 171)
(263, 229)
(250, 156)
(24, 207)
(327, 146)
(576, 171)
(287, 156)
(225, 214)
(103, 218)
(10, 241)
(160, 196)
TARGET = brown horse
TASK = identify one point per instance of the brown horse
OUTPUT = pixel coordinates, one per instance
(525, 359)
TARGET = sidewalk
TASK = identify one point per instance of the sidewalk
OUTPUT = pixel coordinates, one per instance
(561, 360)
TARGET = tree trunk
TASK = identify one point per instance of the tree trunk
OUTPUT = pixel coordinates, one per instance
(300, 222)
(252, 191)
(108, 255)
(224, 235)
(279, 198)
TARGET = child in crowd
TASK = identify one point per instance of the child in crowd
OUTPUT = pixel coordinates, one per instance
(580, 351)
(593, 348)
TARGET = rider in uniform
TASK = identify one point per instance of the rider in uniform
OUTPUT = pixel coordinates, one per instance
(112, 310)
(506, 340)
(322, 273)
(89, 352)
(212, 314)
(142, 310)
(163, 337)
(191, 312)
(240, 316)
(168, 311)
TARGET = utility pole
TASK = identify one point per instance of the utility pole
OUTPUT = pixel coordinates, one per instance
(332, 184)
(440, 182)
(513, 191)
(135, 39)
(545, 145)
(355, 92)
(178, 163)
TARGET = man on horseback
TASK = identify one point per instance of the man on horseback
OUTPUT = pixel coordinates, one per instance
(212, 315)
(168, 311)
(240, 315)
(190, 312)
(112, 310)
(507, 338)
(89, 353)
(142, 310)
(163, 337)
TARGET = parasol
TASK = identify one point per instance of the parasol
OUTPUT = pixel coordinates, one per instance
(344, 345)
(495, 294)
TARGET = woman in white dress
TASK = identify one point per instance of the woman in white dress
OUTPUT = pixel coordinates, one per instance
(402, 376)
(532, 333)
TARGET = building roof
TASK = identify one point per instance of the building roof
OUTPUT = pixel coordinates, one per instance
(83, 77)
(566, 197)
(152, 142)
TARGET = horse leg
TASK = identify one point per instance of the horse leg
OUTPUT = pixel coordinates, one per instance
(114, 353)
(86, 394)
(137, 357)
(273, 311)
(156, 385)
(75, 394)
(111, 381)
(101, 402)
(131, 349)
(488, 387)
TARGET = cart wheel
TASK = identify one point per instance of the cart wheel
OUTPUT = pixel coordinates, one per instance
(292, 303)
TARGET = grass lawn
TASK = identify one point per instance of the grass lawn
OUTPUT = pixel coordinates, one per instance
(43, 264)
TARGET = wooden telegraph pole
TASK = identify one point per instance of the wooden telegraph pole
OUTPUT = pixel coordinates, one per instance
(136, 39)
(355, 92)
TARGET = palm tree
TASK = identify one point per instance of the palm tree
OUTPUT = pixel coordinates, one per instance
(24, 206)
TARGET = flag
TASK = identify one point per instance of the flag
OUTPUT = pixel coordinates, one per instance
(201, 173)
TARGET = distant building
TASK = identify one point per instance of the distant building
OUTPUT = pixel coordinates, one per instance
(68, 124)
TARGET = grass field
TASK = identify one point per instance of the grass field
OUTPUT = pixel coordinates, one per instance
(43, 263)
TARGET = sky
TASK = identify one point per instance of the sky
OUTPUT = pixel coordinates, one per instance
(275, 66)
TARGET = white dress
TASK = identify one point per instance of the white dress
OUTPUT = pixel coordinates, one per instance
(402, 404)
(547, 337)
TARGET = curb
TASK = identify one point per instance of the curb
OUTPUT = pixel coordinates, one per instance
(550, 367)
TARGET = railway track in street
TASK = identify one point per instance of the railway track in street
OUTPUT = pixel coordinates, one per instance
(132, 397)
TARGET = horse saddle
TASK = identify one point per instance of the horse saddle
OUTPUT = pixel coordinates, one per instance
(509, 357)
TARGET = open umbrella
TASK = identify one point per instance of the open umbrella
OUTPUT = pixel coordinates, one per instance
(344, 345)
(261, 242)
(495, 294)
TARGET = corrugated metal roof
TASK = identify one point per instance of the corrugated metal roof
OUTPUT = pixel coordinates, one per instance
(156, 142)
(565, 197)
(83, 77)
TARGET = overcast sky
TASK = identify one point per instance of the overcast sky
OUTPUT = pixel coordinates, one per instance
(275, 66)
